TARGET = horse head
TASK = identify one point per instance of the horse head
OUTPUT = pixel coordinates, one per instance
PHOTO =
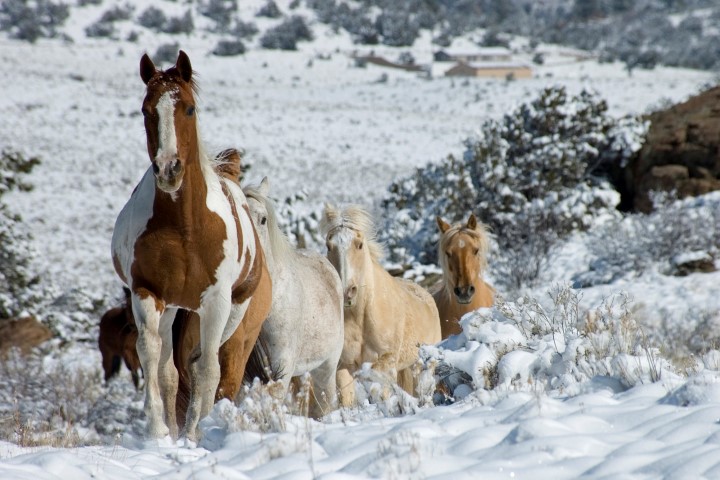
(170, 120)
(462, 255)
(351, 248)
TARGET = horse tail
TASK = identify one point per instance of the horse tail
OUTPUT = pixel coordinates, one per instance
(114, 369)
(259, 364)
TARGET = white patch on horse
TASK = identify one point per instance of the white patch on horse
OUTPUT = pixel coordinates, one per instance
(132, 222)
(461, 243)
(167, 149)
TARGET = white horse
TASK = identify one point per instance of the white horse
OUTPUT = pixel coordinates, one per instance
(386, 318)
(305, 329)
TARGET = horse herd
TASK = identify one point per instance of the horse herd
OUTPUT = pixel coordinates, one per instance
(210, 277)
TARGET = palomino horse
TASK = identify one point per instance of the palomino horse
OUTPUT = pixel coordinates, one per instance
(116, 341)
(386, 318)
(185, 240)
(462, 254)
(305, 330)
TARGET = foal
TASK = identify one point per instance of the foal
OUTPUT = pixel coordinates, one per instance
(118, 335)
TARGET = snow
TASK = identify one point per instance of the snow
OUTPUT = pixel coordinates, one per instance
(334, 132)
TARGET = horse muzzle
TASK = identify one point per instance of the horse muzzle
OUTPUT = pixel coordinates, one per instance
(168, 175)
(464, 295)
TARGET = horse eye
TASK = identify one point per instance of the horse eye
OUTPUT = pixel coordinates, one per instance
(263, 221)
(190, 111)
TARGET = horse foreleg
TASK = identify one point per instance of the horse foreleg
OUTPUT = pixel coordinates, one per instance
(205, 371)
(168, 374)
(148, 348)
(346, 384)
(324, 389)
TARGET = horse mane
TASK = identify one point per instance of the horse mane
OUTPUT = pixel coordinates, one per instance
(481, 234)
(279, 244)
(355, 218)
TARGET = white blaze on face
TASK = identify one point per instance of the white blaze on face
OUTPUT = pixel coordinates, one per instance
(167, 140)
(461, 243)
(344, 242)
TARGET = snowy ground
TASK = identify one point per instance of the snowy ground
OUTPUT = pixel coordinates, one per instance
(336, 132)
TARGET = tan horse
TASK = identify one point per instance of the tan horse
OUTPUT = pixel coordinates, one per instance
(462, 254)
(185, 240)
(116, 341)
(386, 318)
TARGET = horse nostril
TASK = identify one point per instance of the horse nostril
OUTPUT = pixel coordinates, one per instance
(351, 292)
(156, 168)
(471, 290)
(176, 167)
(457, 291)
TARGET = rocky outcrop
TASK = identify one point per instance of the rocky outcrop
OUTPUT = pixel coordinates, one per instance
(681, 152)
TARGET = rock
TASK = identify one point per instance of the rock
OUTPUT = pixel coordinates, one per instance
(24, 333)
(681, 152)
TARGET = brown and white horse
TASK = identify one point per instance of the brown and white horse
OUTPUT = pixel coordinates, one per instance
(184, 240)
(462, 254)
(386, 318)
(116, 341)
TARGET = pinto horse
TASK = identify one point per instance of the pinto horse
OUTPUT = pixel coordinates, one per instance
(116, 341)
(305, 330)
(462, 254)
(185, 240)
(386, 318)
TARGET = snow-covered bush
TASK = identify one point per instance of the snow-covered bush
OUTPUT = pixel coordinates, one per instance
(533, 177)
(229, 48)
(220, 11)
(30, 20)
(286, 35)
(39, 399)
(560, 347)
(152, 18)
(183, 24)
(269, 10)
(166, 53)
(16, 281)
(633, 244)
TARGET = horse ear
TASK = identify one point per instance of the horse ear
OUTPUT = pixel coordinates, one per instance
(442, 224)
(264, 187)
(147, 68)
(472, 222)
(183, 66)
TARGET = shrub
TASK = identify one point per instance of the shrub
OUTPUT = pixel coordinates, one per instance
(16, 281)
(184, 24)
(397, 29)
(269, 10)
(637, 242)
(221, 11)
(229, 48)
(152, 18)
(244, 29)
(534, 177)
(166, 53)
(25, 20)
(100, 30)
(286, 35)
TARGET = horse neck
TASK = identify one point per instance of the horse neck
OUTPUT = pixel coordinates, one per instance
(188, 204)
